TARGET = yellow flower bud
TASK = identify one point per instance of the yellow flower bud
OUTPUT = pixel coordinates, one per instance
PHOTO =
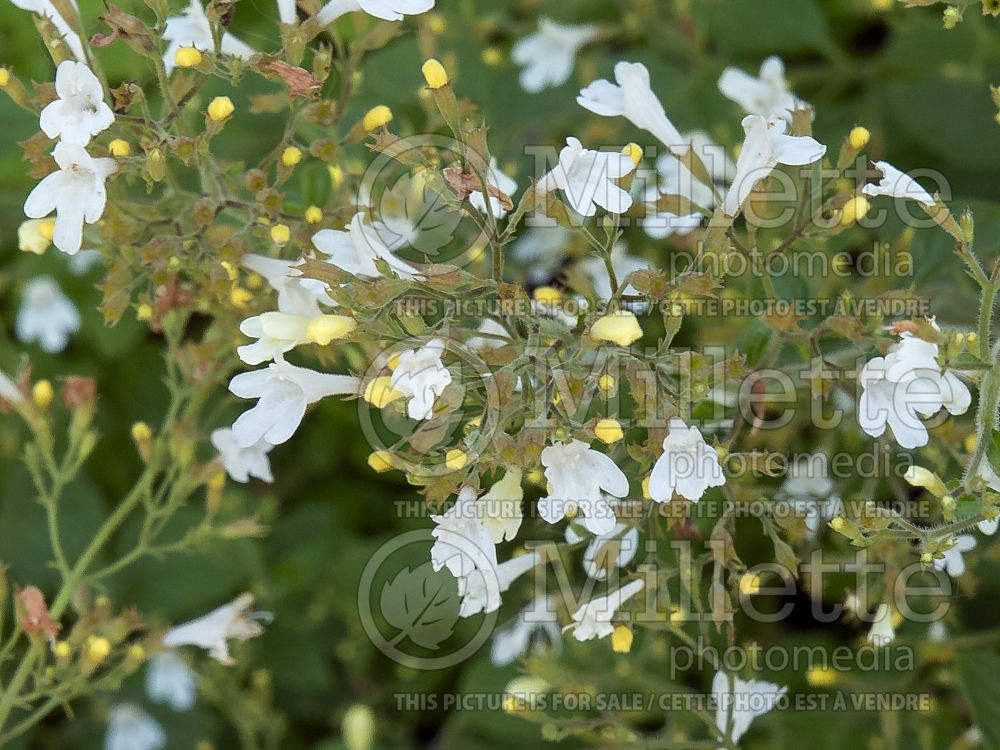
(547, 295)
(749, 584)
(926, 558)
(358, 728)
(393, 361)
(380, 393)
(142, 432)
(456, 459)
(144, 312)
(634, 152)
(336, 173)
(607, 383)
(437, 24)
(620, 327)
(280, 234)
(136, 653)
(187, 57)
(858, 137)
(240, 297)
(435, 74)
(291, 156)
(608, 431)
(645, 488)
(314, 215)
(621, 639)
(918, 476)
(951, 17)
(119, 147)
(4, 78)
(854, 210)
(42, 394)
(96, 649)
(839, 524)
(220, 108)
(35, 235)
(380, 461)
(63, 651)
(325, 328)
(821, 676)
(493, 57)
(376, 117)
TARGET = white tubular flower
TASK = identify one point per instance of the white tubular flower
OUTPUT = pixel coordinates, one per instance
(808, 489)
(46, 316)
(387, 10)
(897, 184)
(242, 463)
(284, 391)
(9, 391)
(47, 9)
(687, 466)
(739, 702)
(75, 192)
(953, 563)
(501, 507)
(463, 543)
(296, 295)
(634, 99)
(279, 332)
(534, 629)
(501, 182)
(212, 631)
(482, 595)
(80, 111)
(170, 680)
(286, 11)
(766, 95)
(586, 179)
(577, 477)
(192, 29)
(421, 376)
(356, 249)
(882, 631)
(547, 56)
(131, 728)
(766, 146)
(593, 619)
(605, 552)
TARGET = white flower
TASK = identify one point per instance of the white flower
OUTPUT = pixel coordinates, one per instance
(494, 336)
(577, 475)
(534, 628)
(593, 619)
(937, 632)
(170, 680)
(614, 549)
(808, 489)
(212, 631)
(83, 261)
(48, 9)
(193, 30)
(80, 111)
(9, 391)
(75, 192)
(586, 179)
(296, 295)
(540, 250)
(897, 184)
(634, 99)
(286, 11)
(242, 463)
(766, 145)
(740, 702)
(131, 728)
(279, 332)
(501, 507)
(882, 632)
(501, 182)
(463, 541)
(387, 10)
(687, 466)
(481, 588)
(356, 249)
(767, 95)
(421, 377)
(284, 391)
(988, 527)
(46, 316)
(953, 563)
(548, 55)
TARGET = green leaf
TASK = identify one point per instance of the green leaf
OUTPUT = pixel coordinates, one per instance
(979, 680)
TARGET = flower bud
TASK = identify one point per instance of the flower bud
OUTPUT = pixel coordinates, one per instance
(634, 152)
(621, 639)
(749, 584)
(358, 728)
(187, 57)
(96, 650)
(376, 117)
(854, 210)
(291, 156)
(380, 393)
(858, 137)
(314, 215)
(607, 384)
(608, 431)
(620, 327)
(435, 74)
(42, 394)
(280, 234)
(4, 78)
(156, 165)
(918, 476)
(220, 109)
(380, 461)
(456, 459)
(35, 235)
(325, 328)
(645, 488)
(951, 17)
(240, 298)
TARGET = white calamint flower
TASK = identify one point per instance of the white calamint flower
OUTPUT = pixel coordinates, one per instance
(907, 383)
(809, 490)
(577, 478)
(897, 184)
(501, 507)
(75, 192)
(605, 552)
(192, 29)
(687, 466)
(80, 111)
(740, 701)
(586, 179)
(882, 631)
(356, 249)
(283, 392)
(501, 182)
(463, 542)
(170, 680)
(46, 316)
(242, 463)
(634, 99)
(547, 56)
(279, 332)
(766, 146)
(767, 95)
(286, 11)
(534, 629)
(296, 295)
(953, 563)
(9, 391)
(593, 619)
(131, 728)
(481, 589)
(213, 631)
(387, 10)
(48, 9)
(421, 376)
